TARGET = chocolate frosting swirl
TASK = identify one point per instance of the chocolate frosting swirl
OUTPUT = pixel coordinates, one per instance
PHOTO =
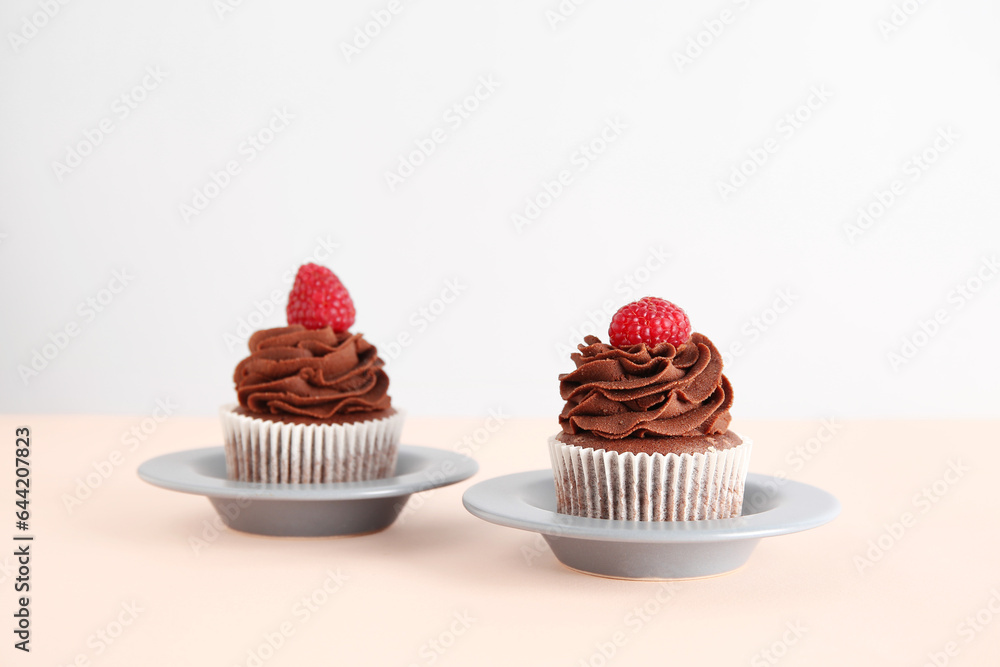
(642, 392)
(313, 373)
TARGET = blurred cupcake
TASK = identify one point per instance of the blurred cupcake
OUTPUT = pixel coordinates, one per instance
(645, 428)
(313, 397)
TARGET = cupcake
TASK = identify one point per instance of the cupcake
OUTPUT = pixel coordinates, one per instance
(645, 428)
(313, 397)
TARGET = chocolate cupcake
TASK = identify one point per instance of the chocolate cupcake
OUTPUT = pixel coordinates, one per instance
(645, 428)
(313, 400)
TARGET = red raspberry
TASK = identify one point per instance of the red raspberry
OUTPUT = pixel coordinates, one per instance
(649, 320)
(318, 299)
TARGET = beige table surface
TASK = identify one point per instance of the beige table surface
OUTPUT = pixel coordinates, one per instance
(116, 580)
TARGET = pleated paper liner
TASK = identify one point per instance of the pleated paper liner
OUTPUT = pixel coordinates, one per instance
(649, 487)
(262, 450)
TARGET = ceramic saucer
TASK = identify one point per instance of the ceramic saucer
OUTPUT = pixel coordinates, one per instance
(651, 549)
(307, 510)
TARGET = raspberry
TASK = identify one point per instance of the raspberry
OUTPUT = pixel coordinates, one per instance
(318, 299)
(649, 320)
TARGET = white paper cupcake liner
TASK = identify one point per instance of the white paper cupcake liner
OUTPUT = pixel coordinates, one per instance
(649, 487)
(261, 450)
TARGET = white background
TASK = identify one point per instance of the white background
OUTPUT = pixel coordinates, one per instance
(525, 292)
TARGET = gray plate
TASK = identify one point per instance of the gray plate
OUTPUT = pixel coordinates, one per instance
(307, 510)
(651, 549)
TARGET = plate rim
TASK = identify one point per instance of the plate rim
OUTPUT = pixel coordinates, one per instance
(785, 518)
(150, 471)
